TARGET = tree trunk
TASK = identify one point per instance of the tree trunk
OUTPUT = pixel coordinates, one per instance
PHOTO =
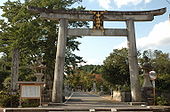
(15, 69)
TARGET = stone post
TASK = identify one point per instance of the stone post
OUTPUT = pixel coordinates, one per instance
(94, 87)
(133, 63)
(101, 90)
(57, 93)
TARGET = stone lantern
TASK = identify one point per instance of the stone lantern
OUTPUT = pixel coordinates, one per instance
(146, 69)
(147, 94)
(39, 72)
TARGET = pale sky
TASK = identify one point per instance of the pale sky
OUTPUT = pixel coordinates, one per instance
(149, 35)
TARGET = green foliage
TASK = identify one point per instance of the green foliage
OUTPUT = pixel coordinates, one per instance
(8, 100)
(160, 100)
(159, 61)
(7, 83)
(3, 76)
(26, 74)
(80, 80)
(163, 82)
(83, 78)
(115, 68)
(125, 88)
(5, 65)
(91, 69)
(30, 103)
(36, 37)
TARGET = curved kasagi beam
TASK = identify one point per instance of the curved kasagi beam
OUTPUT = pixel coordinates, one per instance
(87, 15)
(150, 12)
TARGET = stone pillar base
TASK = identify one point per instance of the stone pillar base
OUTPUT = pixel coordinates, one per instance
(147, 95)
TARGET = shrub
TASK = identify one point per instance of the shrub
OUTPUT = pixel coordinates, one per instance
(160, 100)
(8, 100)
(30, 102)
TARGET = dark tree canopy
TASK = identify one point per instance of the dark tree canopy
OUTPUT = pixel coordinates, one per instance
(115, 68)
(160, 62)
(36, 38)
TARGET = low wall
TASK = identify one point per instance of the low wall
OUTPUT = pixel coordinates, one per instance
(120, 109)
(1, 110)
(121, 96)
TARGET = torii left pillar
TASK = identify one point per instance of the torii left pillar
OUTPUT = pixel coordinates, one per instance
(57, 93)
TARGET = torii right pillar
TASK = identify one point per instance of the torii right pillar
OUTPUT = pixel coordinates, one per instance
(133, 63)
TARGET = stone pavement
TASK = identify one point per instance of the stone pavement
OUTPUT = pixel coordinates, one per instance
(86, 102)
(91, 100)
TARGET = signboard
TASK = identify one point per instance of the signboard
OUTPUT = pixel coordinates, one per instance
(30, 91)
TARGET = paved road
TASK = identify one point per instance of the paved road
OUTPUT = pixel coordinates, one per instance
(86, 102)
(87, 99)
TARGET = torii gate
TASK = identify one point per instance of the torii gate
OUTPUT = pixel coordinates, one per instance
(98, 17)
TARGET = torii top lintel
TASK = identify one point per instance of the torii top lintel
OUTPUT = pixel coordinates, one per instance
(89, 15)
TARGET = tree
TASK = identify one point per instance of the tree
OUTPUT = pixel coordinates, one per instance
(115, 68)
(80, 80)
(91, 69)
(34, 37)
(160, 62)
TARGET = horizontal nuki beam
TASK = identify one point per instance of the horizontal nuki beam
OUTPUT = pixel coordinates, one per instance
(89, 15)
(93, 32)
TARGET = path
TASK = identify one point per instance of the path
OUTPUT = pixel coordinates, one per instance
(90, 100)
(86, 102)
